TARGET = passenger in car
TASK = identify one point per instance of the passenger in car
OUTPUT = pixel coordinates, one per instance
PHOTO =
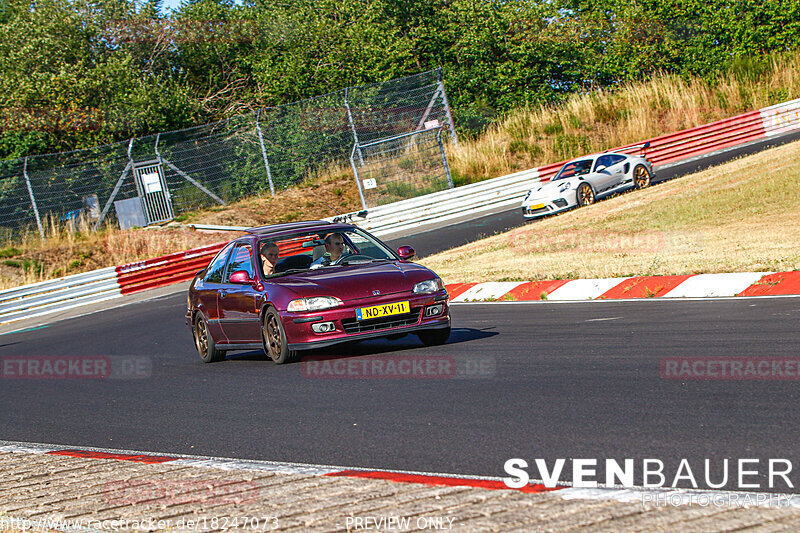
(269, 256)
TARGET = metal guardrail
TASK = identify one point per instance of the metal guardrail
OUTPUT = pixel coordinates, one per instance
(440, 207)
(59, 294)
(165, 270)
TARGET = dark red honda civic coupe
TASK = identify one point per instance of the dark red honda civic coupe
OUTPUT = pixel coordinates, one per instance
(289, 288)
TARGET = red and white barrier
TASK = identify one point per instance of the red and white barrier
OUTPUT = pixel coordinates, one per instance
(165, 270)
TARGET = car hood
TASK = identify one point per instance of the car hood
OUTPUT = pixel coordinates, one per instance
(352, 282)
(551, 189)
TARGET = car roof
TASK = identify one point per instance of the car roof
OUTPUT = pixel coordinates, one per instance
(279, 229)
(276, 228)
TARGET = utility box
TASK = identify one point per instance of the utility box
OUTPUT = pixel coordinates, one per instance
(130, 213)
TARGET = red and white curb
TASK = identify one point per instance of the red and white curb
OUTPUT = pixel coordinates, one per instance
(684, 286)
(654, 496)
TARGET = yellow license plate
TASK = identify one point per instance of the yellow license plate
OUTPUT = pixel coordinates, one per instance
(535, 206)
(378, 311)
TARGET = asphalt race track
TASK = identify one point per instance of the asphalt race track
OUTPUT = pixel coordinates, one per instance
(539, 381)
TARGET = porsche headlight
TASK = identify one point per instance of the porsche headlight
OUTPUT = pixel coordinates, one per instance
(314, 303)
(564, 187)
(428, 286)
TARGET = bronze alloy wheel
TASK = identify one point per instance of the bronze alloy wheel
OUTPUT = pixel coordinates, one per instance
(272, 336)
(276, 345)
(585, 194)
(641, 177)
(205, 342)
(201, 337)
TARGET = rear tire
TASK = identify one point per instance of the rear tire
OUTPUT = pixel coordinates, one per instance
(641, 177)
(276, 346)
(434, 337)
(204, 342)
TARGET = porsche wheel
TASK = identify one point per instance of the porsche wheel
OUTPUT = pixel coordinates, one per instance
(641, 177)
(276, 346)
(204, 342)
(585, 194)
(434, 337)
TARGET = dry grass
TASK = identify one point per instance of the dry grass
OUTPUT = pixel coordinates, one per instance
(603, 119)
(738, 217)
(66, 252)
(24, 258)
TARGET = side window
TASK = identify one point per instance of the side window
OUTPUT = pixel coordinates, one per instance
(603, 161)
(217, 266)
(616, 159)
(241, 259)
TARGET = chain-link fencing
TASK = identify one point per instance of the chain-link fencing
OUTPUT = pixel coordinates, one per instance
(154, 178)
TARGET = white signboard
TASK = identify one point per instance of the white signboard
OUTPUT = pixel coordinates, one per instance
(431, 124)
(151, 182)
(370, 183)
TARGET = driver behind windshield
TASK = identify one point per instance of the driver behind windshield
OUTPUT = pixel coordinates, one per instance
(334, 248)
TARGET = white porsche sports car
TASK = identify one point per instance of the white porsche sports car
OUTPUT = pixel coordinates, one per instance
(584, 180)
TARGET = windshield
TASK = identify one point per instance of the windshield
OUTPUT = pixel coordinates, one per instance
(311, 250)
(574, 168)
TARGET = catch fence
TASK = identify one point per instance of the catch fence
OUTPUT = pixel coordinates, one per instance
(154, 178)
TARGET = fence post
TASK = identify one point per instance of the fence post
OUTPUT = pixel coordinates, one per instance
(447, 109)
(183, 174)
(118, 185)
(352, 127)
(264, 153)
(444, 158)
(355, 173)
(33, 198)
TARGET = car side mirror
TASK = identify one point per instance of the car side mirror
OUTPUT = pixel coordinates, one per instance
(406, 253)
(241, 277)
(600, 168)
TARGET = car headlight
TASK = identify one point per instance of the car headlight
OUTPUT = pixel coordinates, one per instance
(527, 195)
(314, 303)
(428, 286)
(564, 187)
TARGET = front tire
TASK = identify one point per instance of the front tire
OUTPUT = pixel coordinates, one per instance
(204, 342)
(276, 346)
(585, 194)
(641, 177)
(434, 337)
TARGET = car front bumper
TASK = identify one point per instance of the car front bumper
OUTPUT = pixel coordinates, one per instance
(542, 207)
(348, 328)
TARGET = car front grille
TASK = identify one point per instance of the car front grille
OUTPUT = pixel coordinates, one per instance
(352, 325)
(560, 202)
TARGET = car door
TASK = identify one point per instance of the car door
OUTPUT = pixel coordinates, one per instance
(207, 290)
(239, 303)
(615, 166)
(604, 174)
